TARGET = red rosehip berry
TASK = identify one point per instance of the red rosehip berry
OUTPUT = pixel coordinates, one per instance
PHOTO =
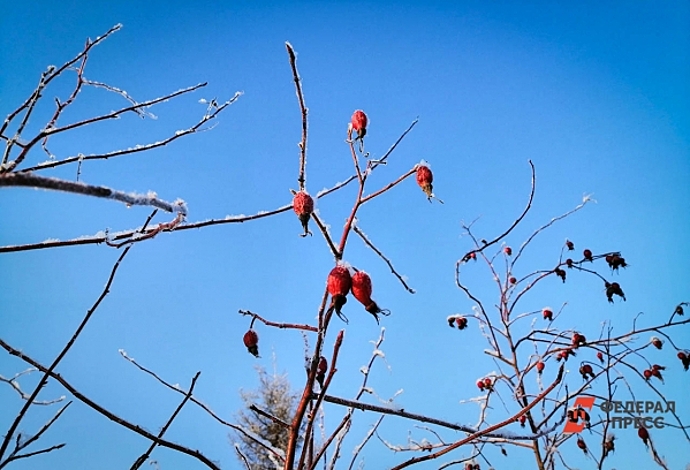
(359, 123)
(612, 289)
(586, 371)
(251, 342)
(570, 245)
(656, 342)
(547, 313)
(425, 178)
(303, 205)
(684, 357)
(600, 356)
(581, 444)
(647, 374)
(361, 289)
(512, 280)
(488, 383)
(560, 273)
(461, 322)
(508, 250)
(643, 434)
(522, 420)
(569, 263)
(321, 370)
(609, 446)
(587, 253)
(338, 285)
(540, 367)
(578, 340)
(480, 384)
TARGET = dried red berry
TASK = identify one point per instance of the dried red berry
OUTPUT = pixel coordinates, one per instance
(570, 245)
(647, 374)
(560, 273)
(678, 310)
(581, 444)
(612, 289)
(600, 356)
(303, 205)
(321, 370)
(586, 371)
(361, 289)
(540, 367)
(480, 384)
(547, 313)
(643, 434)
(522, 420)
(684, 357)
(488, 383)
(512, 280)
(338, 285)
(359, 123)
(587, 253)
(251, 342)
(508, 250)
(424, 179)
(461, 322)
(578, 340)
(569, 263)
(608, 444)
(656, 342)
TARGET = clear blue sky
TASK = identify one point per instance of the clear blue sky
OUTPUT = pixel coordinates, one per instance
(598, 96)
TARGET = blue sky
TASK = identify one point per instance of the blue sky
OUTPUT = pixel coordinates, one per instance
(597, 96)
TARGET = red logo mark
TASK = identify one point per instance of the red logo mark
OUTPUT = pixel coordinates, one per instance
(577, 416)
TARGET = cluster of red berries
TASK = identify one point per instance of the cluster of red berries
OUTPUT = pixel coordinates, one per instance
(578, 340)
(472, 466)
(613, 288)
(615, 261)
(485, 384)
(565, 354)
(340, 283)
(655, 371)
(458, 320)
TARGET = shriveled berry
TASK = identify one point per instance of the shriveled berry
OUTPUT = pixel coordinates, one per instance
(338, 285)
(251, 342)
(587, 253)
(581, 444)
(656, 342)
(570, 245)
(321, 370)
(600, 356)
(569, 263)
(612, 289)
(303, 205)
(461, 322)
(560, 273)
(361, 289)
(609, 446)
